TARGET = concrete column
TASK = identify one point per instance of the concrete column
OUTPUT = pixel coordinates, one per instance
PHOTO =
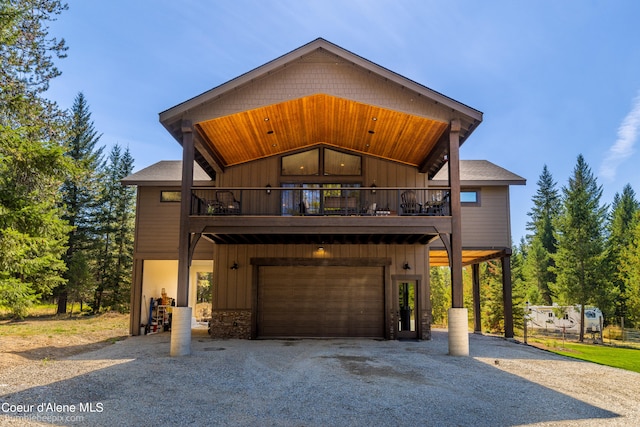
(458, 332)
(181, 318)
(458, 315)
(180, 331)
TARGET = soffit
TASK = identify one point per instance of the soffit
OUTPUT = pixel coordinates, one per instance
(320, 119)
(440, 258)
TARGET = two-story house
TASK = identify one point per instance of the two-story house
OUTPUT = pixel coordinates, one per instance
(319, 189)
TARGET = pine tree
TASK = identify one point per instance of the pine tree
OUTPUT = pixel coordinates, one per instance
(580, 236)
(630, 273)
(621, 223)
(492, 302)
(440, 294)
(116, 224)
(32, 165)
(79, 196)
(543, 214)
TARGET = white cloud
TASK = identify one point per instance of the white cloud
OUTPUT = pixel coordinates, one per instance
(622, 149)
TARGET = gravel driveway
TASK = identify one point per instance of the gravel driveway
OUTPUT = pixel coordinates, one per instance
(337, 382)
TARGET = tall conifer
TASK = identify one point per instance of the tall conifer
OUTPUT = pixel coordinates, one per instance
(32, 166)
(79, 197)
(546, 205)
(580, 236)
(621, 232)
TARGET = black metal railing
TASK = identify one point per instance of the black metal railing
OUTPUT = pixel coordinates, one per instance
(314, 201)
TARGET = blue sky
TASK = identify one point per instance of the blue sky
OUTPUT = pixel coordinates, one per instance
(554, 79)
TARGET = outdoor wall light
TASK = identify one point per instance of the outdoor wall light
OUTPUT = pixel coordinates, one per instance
(373, 188)
(268, 189)
(234, 266)
(406, 266)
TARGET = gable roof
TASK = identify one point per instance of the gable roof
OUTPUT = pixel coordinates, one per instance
(286, 105)
(295, 54)
(480, 172)
(166, 173)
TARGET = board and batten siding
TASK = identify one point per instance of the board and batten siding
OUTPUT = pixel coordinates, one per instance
(233, 288)
(267, 171)
(158, 227)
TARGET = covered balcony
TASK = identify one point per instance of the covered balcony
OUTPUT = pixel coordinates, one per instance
(320, 214)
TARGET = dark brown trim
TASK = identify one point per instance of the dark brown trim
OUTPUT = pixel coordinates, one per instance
(457, 293)
(395, 280)
(355, 262)
(135, 319)
(477, 314)
(184, 262)
(507, 296)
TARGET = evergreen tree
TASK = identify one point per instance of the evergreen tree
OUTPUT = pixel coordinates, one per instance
(491, 299)
(440, 294)
(519, 288)
(79, 196)
(32, 165)
(580, 237)
(116, 229)
(621, 224)
(630, 273)
(546, 205)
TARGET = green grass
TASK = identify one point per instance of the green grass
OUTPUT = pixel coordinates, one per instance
(623, 358)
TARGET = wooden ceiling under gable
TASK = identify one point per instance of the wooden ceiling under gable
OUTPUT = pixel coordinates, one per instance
(319, 103)
(320, 119)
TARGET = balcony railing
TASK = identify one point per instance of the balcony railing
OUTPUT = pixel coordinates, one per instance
(320, 201)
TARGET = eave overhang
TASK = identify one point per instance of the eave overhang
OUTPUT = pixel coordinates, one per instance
(322, 118)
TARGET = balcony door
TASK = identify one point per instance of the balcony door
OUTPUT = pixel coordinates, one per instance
(320, 199)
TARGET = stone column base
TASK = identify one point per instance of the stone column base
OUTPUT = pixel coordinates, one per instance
(180, 331)
(458, 332)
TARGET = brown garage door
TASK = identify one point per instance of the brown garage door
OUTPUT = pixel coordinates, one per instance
(320, 301)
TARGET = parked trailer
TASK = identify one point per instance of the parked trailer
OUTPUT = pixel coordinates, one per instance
(557, 318)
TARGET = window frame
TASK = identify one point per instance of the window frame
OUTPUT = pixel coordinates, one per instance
(475, 191)
(321, 175)
(170, 200)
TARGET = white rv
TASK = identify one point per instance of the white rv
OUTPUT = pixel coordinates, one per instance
(557, 318)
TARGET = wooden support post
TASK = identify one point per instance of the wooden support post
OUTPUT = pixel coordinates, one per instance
(135, 320)
(507, 296)
(457, 297)
(184, 259)
(477, 318)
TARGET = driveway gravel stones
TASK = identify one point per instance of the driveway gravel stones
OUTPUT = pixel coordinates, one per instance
(316, 382)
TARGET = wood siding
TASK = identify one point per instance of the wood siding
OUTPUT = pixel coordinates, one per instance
(233, 288)
(486, 225)
(384, 173)
(158, 226)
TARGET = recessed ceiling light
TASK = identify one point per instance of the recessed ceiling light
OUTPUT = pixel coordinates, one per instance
(374, 119)
(266, 119)
(371, 132)
(269, 132)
